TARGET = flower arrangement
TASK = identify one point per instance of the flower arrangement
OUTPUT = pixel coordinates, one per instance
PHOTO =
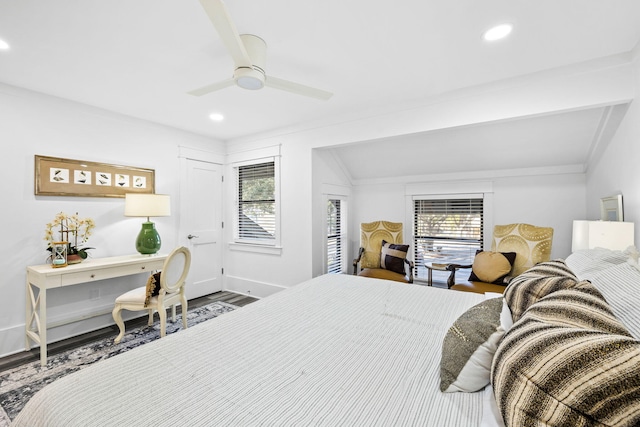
(72, 229)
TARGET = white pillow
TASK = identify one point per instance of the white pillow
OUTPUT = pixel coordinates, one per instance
(505, 316)
(491, 416)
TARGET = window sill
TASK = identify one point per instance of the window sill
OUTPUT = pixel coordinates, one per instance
(255, 248)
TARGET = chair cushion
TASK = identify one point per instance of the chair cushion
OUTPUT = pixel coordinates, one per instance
(381, 273)
(478, 287)
(392, 256)
(491, 267)
(134, 296)
(469, 346)
(152, 288)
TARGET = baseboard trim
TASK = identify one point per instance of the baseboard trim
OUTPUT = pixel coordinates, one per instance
(249, 287)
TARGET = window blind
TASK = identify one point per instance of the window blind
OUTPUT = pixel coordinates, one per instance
(334, 236)
(447, 231)
(256, 201)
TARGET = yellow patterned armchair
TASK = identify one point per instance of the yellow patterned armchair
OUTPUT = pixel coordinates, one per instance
(382, 254)
(531, 245)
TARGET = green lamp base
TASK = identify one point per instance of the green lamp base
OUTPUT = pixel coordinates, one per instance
(148, 241)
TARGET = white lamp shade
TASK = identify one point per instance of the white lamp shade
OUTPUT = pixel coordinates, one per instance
(147, 205)
(614, 235)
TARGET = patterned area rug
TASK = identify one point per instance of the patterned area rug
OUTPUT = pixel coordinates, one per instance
(18, 385)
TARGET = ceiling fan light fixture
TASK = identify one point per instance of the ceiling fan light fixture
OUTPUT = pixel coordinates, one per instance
(249, 78)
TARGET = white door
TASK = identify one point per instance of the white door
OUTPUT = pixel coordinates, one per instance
(201, 226)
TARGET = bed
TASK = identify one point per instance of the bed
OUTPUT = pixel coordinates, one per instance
(334, 350)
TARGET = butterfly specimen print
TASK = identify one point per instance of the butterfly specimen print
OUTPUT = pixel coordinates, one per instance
(140, 182)
(103, 178)
(59, 175)
(81, 177)
(122, 180)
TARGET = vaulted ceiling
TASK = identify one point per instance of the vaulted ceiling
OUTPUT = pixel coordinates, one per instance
(140, 58)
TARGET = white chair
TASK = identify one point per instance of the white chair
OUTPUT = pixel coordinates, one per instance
(171, 292)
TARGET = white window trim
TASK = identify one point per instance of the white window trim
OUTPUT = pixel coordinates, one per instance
(487, 205)
(250, 245)
(449, 190)
(344, 229)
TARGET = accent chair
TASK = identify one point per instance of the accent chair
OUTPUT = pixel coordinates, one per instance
(382, 254)
(514, 249)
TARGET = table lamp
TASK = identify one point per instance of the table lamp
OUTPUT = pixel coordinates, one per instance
(614, 235)
(147, 205)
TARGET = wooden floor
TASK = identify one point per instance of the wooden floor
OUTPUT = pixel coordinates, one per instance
(14, 360)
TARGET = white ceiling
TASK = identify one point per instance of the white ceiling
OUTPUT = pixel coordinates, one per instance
(140, 57)
(513, 144)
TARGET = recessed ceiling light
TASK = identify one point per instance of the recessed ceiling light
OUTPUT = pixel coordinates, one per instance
(4, 45)
(216, 117)
(498, 32)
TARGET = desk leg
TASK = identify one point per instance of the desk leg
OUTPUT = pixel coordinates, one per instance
(429, 276)
(36, 320)
(29, 315)
(43, 326)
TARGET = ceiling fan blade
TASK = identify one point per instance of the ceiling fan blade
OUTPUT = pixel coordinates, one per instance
(219, 16)
(297, 88)
(212, 87)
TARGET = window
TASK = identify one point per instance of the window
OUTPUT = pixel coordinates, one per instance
(257, 203)
(334, 236)
(446, 231)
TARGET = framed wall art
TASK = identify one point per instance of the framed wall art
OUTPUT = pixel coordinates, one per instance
(67, 177)
(611, 208)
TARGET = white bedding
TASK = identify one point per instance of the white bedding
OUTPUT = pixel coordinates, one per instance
(335, 350)
(616, 274)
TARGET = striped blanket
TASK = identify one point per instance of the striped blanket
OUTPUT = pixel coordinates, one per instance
(567, 360)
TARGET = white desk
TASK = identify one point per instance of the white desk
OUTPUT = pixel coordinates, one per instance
(43, 277)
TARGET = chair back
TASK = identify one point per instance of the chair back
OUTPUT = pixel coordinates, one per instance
(531, 244)
(175, 270)
(371, 236)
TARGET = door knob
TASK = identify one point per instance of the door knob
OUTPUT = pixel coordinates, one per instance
(191, 236)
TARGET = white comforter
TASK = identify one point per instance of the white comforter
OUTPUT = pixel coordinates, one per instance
(336, 350)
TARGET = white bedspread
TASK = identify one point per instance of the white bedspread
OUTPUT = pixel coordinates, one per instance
(336, 350)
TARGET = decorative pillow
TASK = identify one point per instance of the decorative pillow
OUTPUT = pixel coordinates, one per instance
(469, 346)
(153, 287)
(392, 256)
(492, 267)
(535, 283)
(568, 361)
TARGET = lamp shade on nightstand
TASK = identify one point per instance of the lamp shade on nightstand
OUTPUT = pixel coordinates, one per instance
(148, 241)
(614, 235)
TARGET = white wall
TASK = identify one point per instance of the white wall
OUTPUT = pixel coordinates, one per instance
(261, 273)
(33, 124)
(544, 200)
(617, 171)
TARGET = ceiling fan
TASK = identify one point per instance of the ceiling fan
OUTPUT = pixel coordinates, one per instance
(249, 53)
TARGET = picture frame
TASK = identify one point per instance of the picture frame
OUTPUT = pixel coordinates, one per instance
(611, 208)
(56, 176)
